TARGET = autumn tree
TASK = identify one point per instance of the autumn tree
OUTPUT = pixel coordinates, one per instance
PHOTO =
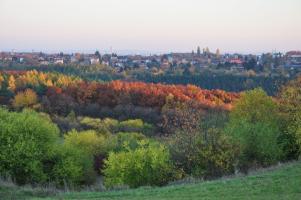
(12, 83)
(179, 116)
(28, 98)
(1, 81)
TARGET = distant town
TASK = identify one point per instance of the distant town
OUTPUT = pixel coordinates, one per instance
(199, 58)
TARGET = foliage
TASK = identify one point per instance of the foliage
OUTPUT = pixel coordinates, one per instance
(290, 109)
(11, 83)
(108, 125)
(71, 166)
(1, 80)
(201, 140)
(28, 98)
(205, 78)
(149, 164)
(26, 141)
(88, 141)
(93, 144)
(254, 126)
(105, 126)
(124, 140)
(115, 92)
(203, 154)
(136, 125)
(180, 116)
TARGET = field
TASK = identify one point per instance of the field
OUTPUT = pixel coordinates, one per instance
(281, 182)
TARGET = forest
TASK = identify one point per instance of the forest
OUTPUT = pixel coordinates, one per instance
(70, 131)
(206, 78)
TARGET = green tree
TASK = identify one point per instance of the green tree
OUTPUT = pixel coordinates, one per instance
(254, 126)
(71, 166)
(93, 144)
(290, 109)
(149, 164)
(26, 142)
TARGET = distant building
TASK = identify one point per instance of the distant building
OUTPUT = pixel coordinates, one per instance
(44, 62)
(218, 53)
(74, 59)
(58, 61)
(94, 61)
(236, 61)
(198, 51)
(294, 58)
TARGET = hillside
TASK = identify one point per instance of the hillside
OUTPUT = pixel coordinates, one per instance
(279, 183)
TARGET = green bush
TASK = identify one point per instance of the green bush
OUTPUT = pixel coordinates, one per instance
(254, 126)
(295, 129)
(123, 141)
(88, 141)
(105, 126)
(71, 166)
(108, 126)
(202, 154)
(26, 141)
(216, 157)
(148, 164)
(93, 144)
(136, 125)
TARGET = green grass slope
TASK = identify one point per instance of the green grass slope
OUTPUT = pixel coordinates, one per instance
(279, 183)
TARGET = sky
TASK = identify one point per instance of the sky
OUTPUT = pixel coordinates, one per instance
(150, 26)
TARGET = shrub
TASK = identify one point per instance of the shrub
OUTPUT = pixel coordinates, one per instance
(203, 154)
(105, 126)
(217, 155)
(123, 141)
(71, 166)
(149, 164)
(26, 141)
(87, 141)
(136, 125)
(108, 125)
(254, 126)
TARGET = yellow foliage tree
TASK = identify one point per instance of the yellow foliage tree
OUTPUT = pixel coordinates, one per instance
(12, 83)
(28, 98)
(1, 81)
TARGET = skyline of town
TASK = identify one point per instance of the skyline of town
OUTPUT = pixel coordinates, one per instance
(145, 52)
(200, 58)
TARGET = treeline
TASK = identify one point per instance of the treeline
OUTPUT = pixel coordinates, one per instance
(93, 72)
(222, 81)
(203, 134)
(206, 79)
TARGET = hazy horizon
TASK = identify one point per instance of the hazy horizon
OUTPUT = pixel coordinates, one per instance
(233, 26)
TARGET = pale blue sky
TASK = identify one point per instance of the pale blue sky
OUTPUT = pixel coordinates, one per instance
(248, 26)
